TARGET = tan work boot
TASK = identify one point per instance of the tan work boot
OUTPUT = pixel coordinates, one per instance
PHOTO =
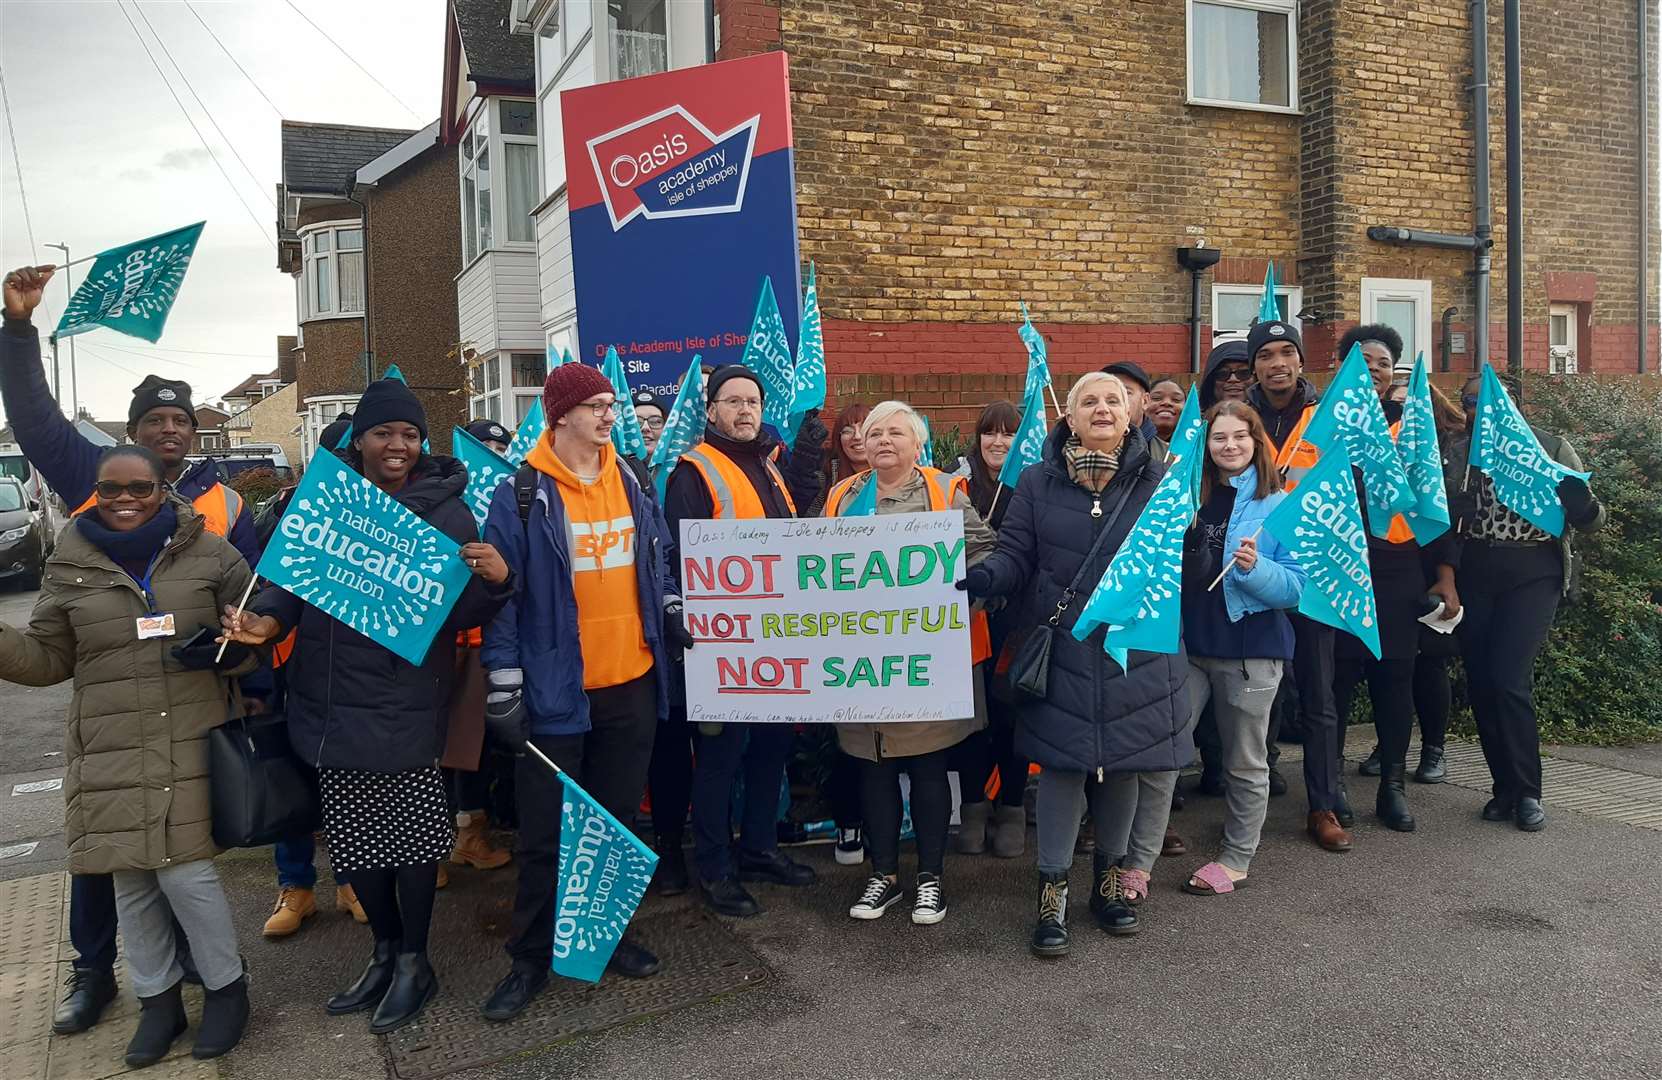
(294, 906)
(347, 900)
(473, 847)
(444, 877)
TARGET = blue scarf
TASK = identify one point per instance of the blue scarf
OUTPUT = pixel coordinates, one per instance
(135, 549)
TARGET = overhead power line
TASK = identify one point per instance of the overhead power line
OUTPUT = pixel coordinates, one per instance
(251, 81)
(338, 48)
(22, 193)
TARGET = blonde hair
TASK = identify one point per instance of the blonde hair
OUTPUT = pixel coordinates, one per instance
(885, 409)
(1086, 380)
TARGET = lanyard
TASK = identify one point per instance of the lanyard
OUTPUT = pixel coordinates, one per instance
(144, 583)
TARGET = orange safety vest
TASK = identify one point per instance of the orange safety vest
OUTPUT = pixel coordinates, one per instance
(941, 489)
(731, 493)
(1399, 532)
(1297, 457)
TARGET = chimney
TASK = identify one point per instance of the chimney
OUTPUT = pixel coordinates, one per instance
(287, 367)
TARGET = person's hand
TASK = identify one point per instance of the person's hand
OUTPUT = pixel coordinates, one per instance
(1449, 596)
(23, 289)
(506, 719)
(676, 627)
(1246, 556)
(486, 562)
(246, 628)
(1577, 498)
(813, 431)
(202, 653)
(977, 581)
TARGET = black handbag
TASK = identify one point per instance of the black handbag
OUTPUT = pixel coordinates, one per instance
(1028, 672)
(261, 791)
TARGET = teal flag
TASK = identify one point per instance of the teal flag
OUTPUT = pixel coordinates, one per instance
(604, 871)
(527, 434)
(1269, 310)
(808, 377)
(1349, 413)
(864, 503)
(1422, 458)
(1140, 597)
(132, 288)
(346, 548)
(767, 352)
(1189, 427)
(926, 452)
(1038, 367)
(683, 427)
(1524, 475)
(1029, 444)
(486, 469)
(394, 372)
(626, 429)
(1320, 524)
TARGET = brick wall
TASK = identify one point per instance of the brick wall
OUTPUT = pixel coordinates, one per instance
(330, 362)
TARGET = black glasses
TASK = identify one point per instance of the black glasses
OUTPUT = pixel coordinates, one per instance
(1239, 375)
(138, 489)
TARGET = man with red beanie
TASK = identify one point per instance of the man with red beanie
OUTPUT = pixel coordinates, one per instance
(578, 660)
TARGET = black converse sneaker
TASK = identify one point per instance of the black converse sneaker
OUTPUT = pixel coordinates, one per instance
(879, 895)
(851, 847)
(928, 902)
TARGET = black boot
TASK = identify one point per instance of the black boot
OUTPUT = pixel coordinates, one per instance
(1431, 770)
(1372, 766)
(633, 960)
(89, 993)
(1342, 811)
(1050, 933)
(413, 986)
(1392, 804)
(1108, 903)
(161, 1020)
(371, 986)
(224, 1019)
(670, 877)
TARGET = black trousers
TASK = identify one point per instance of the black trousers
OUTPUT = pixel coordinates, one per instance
(610, 762)
(993, 745)
(843, 788)
(1511, 596)
(1433, 698)
(669, 775)
(1313, 675)
(931, 810)
(1390, 691)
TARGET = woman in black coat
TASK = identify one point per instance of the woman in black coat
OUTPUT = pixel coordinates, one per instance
(372, 723)
(1102, 734)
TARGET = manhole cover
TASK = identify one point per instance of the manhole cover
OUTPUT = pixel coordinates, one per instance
(701, 959)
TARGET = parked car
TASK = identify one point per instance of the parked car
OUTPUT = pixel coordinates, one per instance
(25, 534)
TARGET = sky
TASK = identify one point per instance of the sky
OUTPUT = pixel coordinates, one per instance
(108, 157)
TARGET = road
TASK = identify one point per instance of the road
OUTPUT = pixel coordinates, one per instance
(31, 750)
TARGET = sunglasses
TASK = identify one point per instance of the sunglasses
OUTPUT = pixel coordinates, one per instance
(1239, 375)
(138, 489)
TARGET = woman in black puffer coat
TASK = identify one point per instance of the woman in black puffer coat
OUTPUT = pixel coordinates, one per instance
(1102, 734)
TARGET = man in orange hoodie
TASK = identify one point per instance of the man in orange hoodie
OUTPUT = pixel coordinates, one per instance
(578, 661)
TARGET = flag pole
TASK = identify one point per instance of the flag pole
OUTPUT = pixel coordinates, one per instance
(1050, 388)
(246, 593)
(77, 262)
(529, 745)
(994, 507)
(1231, 561)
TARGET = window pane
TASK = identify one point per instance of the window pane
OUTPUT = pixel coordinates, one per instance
(1399, 316)
(1236, 54)
(493, 373)
(520, 160)
(482, 178)
(518, 117)
(349, 239)
(1560, 330)
(577, 21)
(493, 407)
(528, 369)
(322, 295)
(320, 241)
(469, 216)
(351, 281)
(522, 405)
(640, 41)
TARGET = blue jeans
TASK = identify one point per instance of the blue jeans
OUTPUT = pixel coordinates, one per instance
(294, 862)
(92, 920)
(760, 750)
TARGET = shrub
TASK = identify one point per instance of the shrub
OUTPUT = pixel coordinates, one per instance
(256, 485)
(948, 446)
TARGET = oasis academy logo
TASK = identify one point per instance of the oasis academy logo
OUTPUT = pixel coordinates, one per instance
(668, 165)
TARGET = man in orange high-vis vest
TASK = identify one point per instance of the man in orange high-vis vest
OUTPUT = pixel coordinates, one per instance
(1286, 401)
(732, 474)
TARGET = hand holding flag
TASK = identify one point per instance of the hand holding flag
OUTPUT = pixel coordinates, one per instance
(1524, 475)
(1350, 413)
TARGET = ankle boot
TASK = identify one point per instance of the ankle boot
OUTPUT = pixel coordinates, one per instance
(1050, 933)
(1392, 804)
(413, 986)
(972, 828)
(1114, 913)
(1009, 832)
(371, 986)
(161, 1020)
(473, 845)
(224, 1019)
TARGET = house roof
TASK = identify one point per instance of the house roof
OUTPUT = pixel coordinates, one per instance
(249, 385)
(399, 156)
(322, 158)
(495, 54)
(210, 417)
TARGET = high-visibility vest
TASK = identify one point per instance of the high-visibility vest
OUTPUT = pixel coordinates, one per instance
(1399, 532)
(1297, 457)
(941, 488)
(731, 493)
(218, 508)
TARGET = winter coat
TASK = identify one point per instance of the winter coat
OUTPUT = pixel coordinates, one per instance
(1276, 580)
(351, 702)
(1097, 716)
(136, 750)
(537, 630)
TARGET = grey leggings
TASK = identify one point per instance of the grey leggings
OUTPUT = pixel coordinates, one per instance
(1129, 810)
(148, 900)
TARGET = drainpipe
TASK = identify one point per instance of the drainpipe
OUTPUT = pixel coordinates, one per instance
(710, 30)
(1447, 351)
(1644, 181)
(1196, 260)
(369, 296)
(1514, 189)
(1483, 227)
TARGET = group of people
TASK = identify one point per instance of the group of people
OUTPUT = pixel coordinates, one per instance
(570, 639)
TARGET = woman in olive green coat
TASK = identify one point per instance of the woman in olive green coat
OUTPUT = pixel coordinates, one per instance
(129, 585)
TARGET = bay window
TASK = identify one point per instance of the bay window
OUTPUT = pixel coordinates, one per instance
(332, 272)
(640, 37)
(565, 61)
(496, 210)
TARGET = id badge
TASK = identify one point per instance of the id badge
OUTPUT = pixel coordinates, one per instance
(155, 626)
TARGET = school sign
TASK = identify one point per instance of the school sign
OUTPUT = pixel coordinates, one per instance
(682, 196)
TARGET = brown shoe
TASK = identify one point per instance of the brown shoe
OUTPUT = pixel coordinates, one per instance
(347, 900)
(294, 906)
(1173, 844)
(473, 847)
(1325, 830)
(444, 877)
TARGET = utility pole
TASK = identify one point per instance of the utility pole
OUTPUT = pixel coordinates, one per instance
(74, 382)
(1512, 20)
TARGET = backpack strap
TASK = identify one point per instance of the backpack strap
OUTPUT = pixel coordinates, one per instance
(525, 492)
(638, 467)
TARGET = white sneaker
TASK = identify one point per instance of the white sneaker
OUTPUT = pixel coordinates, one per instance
(879, 895)
(851, 848)
(928, 902)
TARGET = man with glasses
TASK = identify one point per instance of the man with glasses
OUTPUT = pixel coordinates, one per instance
(1228, 373)
(732, 474)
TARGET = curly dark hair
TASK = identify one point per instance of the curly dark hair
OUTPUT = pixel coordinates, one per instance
(1371, 332)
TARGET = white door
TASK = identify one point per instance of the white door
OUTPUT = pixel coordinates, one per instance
(1403, 304)
(1561, 340)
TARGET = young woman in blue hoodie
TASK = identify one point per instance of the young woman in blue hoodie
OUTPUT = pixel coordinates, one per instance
(1236, 633)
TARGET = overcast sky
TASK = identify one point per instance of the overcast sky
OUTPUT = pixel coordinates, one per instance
(108, 157)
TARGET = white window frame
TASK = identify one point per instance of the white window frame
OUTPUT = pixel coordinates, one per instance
(669, 43)
(487, 392)
(1293, 293)
(1571, 314)
(310, 258)
(1416, 289)
(1289, 8)
(486, 120)
(319, 413)
(550, 84)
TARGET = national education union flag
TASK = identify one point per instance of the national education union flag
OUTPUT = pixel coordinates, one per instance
(527, 434)
(604, 872)
(1422, 459)
(626, 427)
(1349, 413)
(1504, 446)
(1029, 444)
(132, 288)
(1038, 367)
(808, 377)
(767, 352)
(486, 469)
(683, 427)
(1269, 309)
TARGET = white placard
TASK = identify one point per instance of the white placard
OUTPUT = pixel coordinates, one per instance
(827, 620)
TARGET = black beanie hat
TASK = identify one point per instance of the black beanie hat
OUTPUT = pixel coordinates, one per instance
(648, 400)
(388, 401)
(1133, 371)
(731, 371)
(1272, 330)
(330, 437)
(156, 392)
(489, 431)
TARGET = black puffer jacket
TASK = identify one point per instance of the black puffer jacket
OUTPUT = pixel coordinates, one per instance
(1097, 717)
(352, 704)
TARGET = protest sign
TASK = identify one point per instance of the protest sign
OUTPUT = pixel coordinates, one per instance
(1504, 446)
(827, 620)
(486, 469)
(347, 548)
(132, 288)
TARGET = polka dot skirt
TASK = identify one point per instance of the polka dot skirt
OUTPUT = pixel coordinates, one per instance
(376, 820)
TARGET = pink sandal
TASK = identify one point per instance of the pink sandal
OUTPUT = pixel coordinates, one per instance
(1212, 880)
(1134, 883)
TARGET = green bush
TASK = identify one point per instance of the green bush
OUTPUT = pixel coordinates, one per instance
(256, 485)
(948, 446)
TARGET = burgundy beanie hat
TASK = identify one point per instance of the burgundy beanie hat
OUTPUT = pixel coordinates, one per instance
(568, 386)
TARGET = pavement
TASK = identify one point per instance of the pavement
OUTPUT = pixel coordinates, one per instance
(1464, 949)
